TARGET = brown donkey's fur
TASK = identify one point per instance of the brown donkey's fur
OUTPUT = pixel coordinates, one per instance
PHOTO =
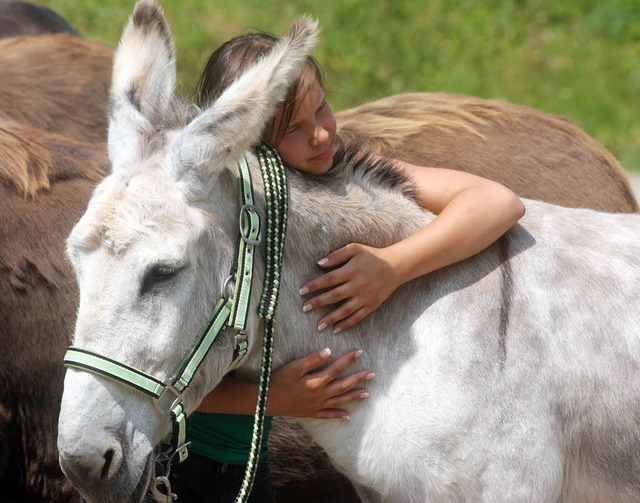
(45, 183)
(60, 83)
(24, 18)
(537, 155)
(57, 83)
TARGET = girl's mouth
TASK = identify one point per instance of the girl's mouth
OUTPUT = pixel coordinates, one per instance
(323, 156)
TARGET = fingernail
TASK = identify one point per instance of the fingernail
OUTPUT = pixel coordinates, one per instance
(303, 291)
(359, 353)
(337, 330)
(323, 261)
(364, 395)
(321, 327)
(306, 308)
(370, 376)
(325, 353)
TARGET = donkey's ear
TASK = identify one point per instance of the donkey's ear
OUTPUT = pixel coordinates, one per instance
(143, 82)
(230, 126)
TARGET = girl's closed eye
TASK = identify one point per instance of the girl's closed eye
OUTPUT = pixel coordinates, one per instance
(292, 129)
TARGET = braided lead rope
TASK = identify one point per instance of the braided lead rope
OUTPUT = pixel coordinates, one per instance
(277, 205)
(275, 184)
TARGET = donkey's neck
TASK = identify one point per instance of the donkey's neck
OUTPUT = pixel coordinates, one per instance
(359, 201)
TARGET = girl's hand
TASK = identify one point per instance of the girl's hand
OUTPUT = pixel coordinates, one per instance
(365, 277)
(299, 390)
(472, 213)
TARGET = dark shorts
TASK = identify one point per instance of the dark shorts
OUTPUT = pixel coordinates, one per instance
(202, 480)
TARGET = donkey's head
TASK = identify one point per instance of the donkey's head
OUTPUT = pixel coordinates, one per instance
(155, 245)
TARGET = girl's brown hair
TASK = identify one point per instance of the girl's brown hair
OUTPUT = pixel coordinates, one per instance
(233, 58)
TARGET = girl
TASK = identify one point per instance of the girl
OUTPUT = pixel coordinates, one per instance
(472, 213)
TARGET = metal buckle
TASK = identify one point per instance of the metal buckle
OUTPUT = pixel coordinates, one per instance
(180, 451)
(247, 208)
(238, 338)
(168, 386)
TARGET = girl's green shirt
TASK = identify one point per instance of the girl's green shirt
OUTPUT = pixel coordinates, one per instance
(225, 438)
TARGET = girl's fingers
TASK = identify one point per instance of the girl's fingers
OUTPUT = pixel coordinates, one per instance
(347, 384)
(345, 398)
(338, 317)
(339, 256)
(350, 320)
(333, 411)
(312, 361)
(337, 367)
(327, 298)
(327, 280)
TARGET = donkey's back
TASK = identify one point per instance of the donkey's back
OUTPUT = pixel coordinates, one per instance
(522, 375)
(537, 343)
(571, 350)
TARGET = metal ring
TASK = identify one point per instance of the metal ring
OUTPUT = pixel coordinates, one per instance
(158, 494)
(228, 291)
(247, 208)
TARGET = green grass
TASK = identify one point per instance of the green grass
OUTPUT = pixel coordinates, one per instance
(577, 58)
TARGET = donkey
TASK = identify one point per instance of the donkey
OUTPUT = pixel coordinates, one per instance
(47, 180)
(511, 376)
(25, 18)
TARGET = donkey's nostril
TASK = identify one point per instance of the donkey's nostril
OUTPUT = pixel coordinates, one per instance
(108, 458)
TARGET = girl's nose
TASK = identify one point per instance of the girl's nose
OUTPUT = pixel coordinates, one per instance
(320, 135)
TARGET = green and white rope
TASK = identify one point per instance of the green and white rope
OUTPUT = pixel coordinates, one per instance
(275, 184)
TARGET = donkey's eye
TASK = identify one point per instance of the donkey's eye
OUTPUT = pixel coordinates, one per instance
(158, 274)
(164, 271)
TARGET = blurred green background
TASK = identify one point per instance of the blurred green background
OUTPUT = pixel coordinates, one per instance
(577, 58)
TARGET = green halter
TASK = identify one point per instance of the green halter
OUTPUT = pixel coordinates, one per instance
(229, 312)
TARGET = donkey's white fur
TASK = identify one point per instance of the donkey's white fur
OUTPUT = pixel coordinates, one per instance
(513, 376)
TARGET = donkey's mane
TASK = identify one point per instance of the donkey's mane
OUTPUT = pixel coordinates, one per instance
(363, 198)
(32, 160)
(396, 118)
(354, 163)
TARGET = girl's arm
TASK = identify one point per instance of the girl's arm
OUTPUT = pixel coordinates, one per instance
(296, 389)
(472, 213)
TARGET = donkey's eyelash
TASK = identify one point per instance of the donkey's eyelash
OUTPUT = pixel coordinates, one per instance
(159, 273)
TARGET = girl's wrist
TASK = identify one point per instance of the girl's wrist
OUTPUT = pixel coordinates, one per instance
(400, 263)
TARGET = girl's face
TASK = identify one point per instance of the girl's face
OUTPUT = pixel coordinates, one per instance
(308, 142)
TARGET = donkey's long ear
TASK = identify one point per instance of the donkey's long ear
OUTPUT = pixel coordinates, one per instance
(225, 130)
(143, 83)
